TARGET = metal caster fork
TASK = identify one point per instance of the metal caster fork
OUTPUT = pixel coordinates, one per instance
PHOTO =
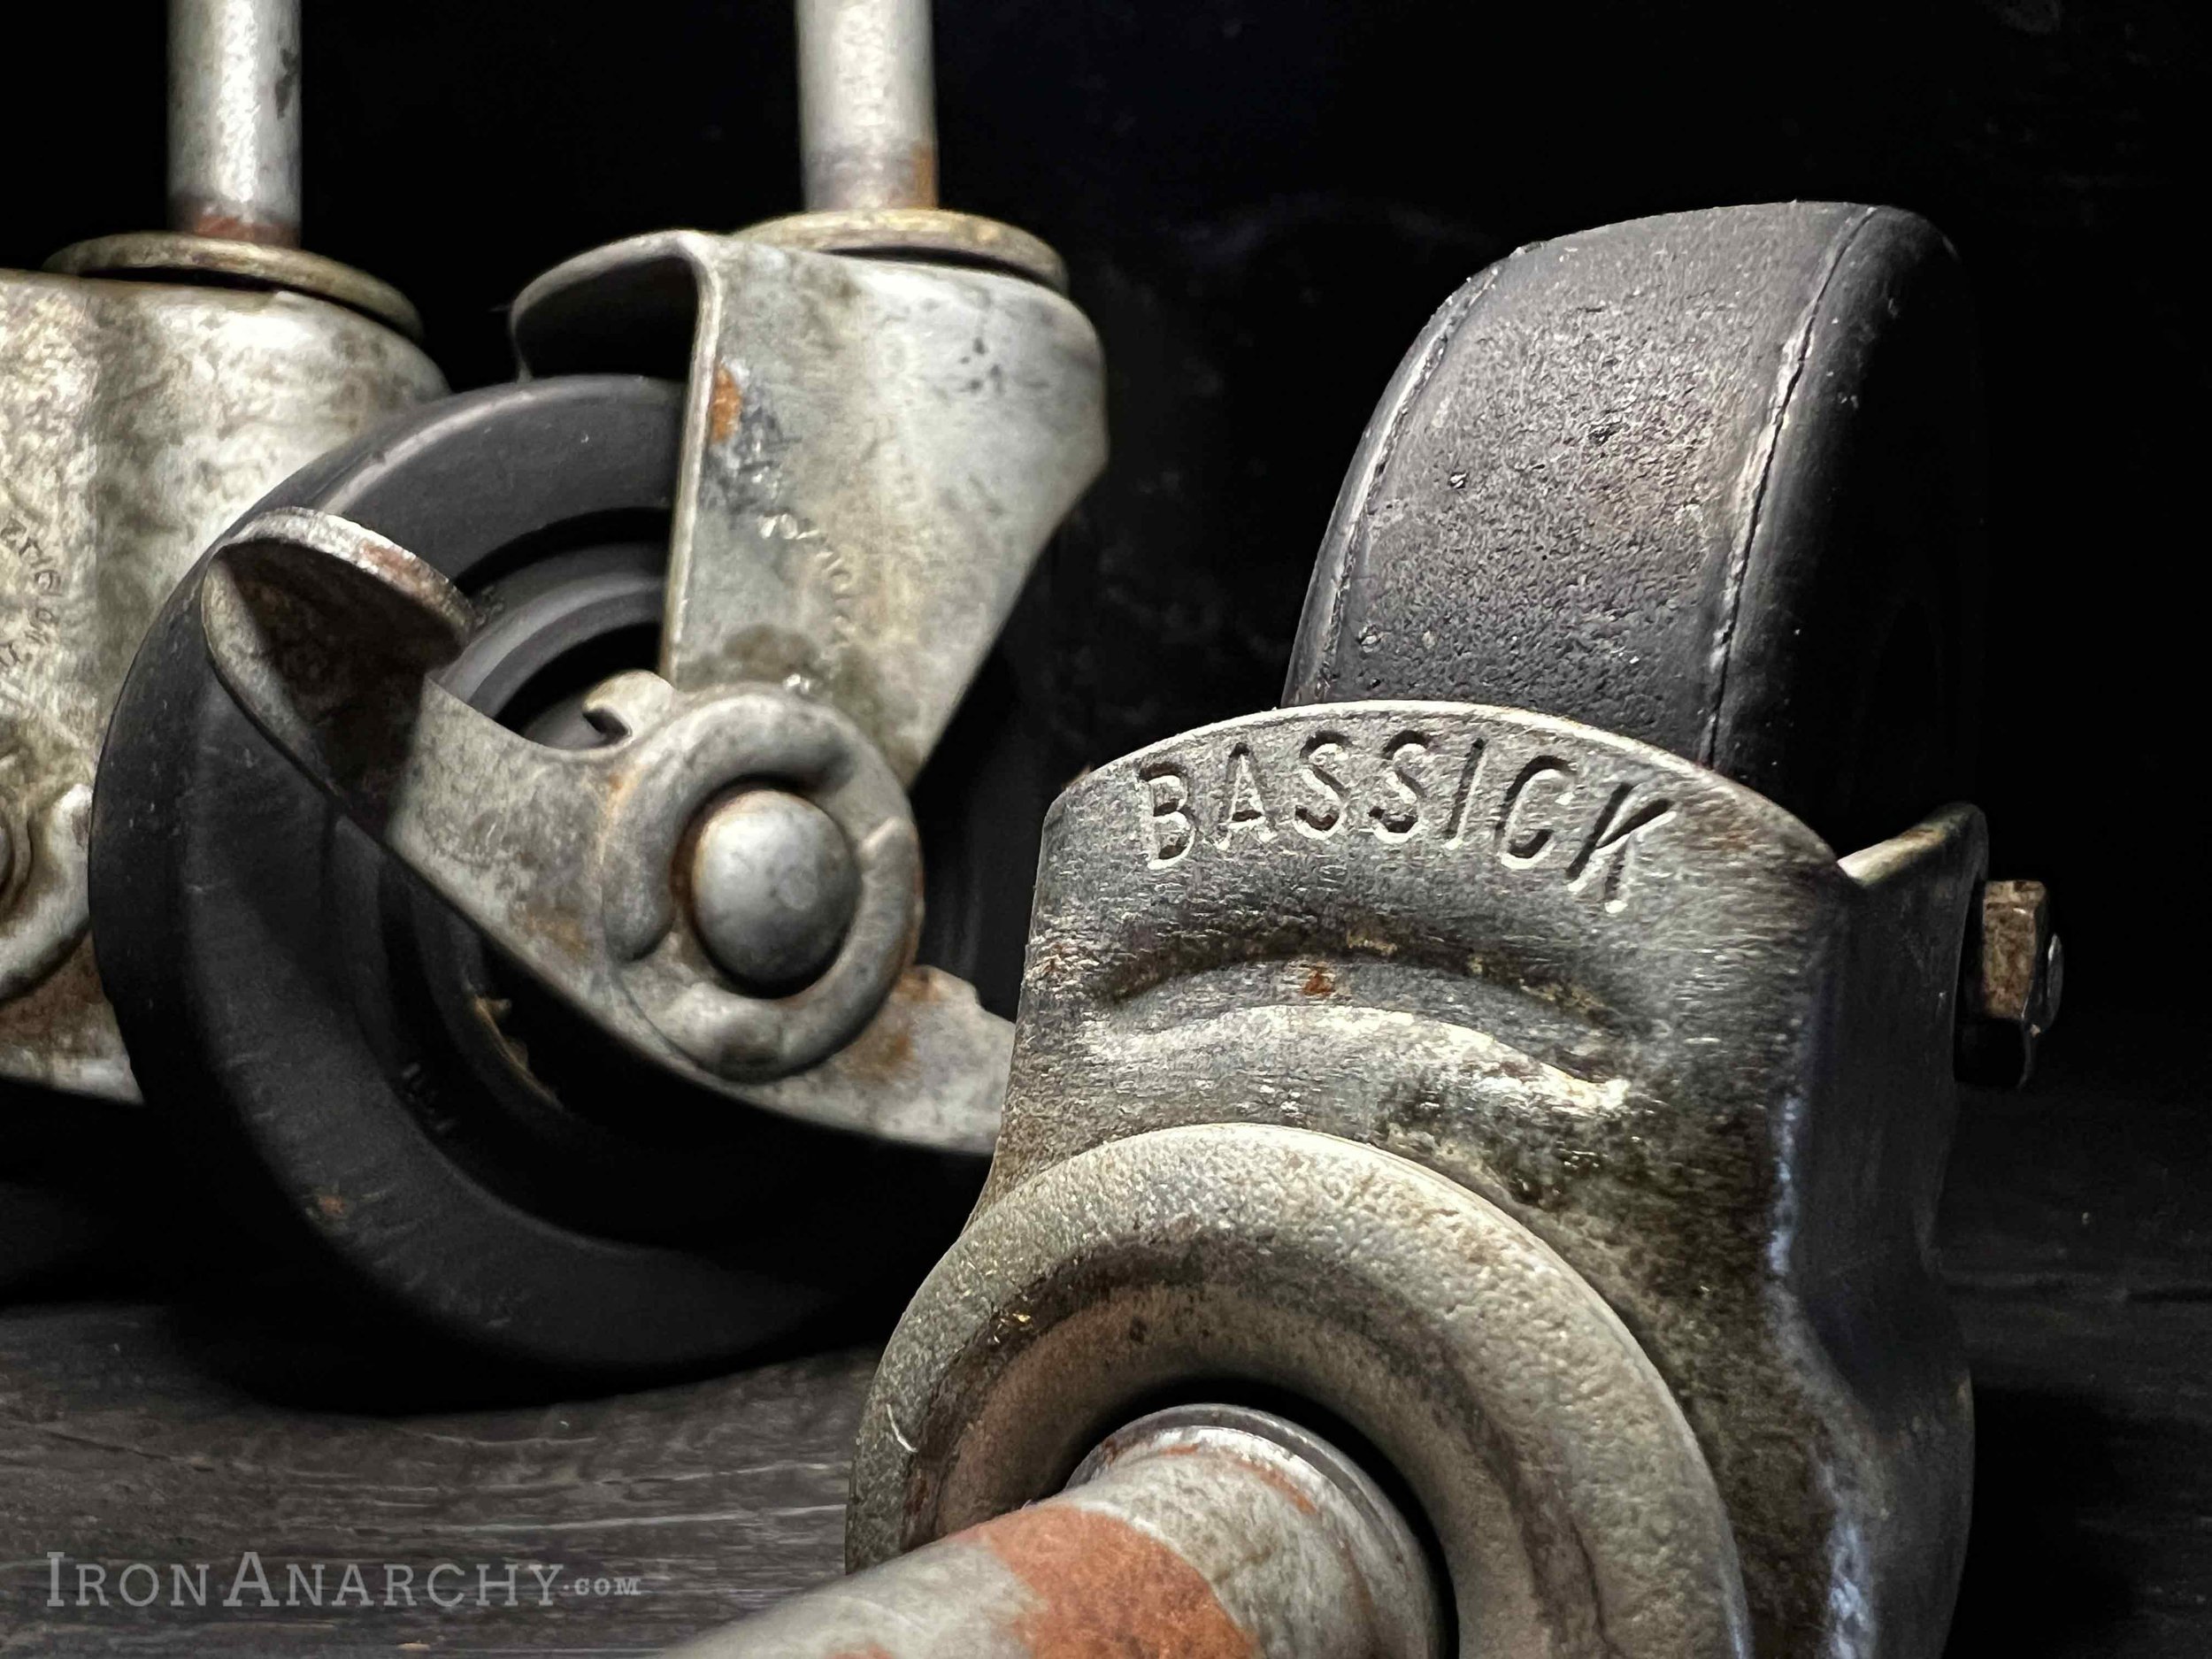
(1511, 1097)
(634, 678)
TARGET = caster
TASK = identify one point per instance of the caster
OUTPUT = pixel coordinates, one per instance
(153, 387)
(1744, 526)
(568, 999)
(1536, 1113)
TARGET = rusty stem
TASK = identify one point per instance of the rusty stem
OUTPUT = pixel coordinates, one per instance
(234, 119)
(1208, 1531)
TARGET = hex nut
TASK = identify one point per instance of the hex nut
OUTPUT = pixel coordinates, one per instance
(2014, 972)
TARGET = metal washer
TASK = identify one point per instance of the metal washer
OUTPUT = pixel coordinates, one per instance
(1573, 1508)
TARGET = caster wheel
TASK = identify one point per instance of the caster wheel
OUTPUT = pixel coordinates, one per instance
(1711, 480)
(371, 1079)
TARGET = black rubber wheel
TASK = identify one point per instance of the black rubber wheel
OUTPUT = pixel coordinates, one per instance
(368, 1077)
(1712, 480)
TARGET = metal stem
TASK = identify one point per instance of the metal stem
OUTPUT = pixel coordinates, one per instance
(234, 119)
(1205, 1530)
(867, 112)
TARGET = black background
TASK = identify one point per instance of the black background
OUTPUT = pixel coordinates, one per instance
(1261, 202)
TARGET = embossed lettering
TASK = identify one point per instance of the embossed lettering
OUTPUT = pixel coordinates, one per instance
(1535, 810)
(1318, 823)
(1242, 805)
(1606, 853)
(1167, 792)
(1396, 821)
(1520, 851)
(1469, 774)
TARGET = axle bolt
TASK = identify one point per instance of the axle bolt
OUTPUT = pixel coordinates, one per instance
(773, 887)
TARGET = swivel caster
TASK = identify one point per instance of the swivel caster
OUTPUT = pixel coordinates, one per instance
(1468, 1068)
(566, 999)
(152, 386)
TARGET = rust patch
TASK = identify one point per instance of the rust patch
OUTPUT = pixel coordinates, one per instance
(222, 227)
(922, 188)
(562, 931)
(63, 1015)
(726, 405)
(1104, 1590)
(332, 1205)
(1319, 982)
(883, 1052)
(919, 986)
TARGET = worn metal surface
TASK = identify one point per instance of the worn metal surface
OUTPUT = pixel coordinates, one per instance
(176, 256)
(234, 119)
(867, 150)
(324, 631)
(1205, 1534)
(875, 455)
(136, 420)
(119, 1442)
(772, 886)
(235, 171)
(867, 104)
(1630, 1005)
(930, 235)
(1572, 1506)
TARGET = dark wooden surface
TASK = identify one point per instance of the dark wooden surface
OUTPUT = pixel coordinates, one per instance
(116, 1447)
(2077, 1237)
(2077, 1240)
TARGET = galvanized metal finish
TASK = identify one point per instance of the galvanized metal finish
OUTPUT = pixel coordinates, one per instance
(867, 107)
(136, 420)
(1207, 1533)
(1562, 1115)
(171, 256)
(324, 632)
(234, 119)
(875, 455)
(929, 235)
(867, 150)
(1573, 1508)
(234, 170)
(139, 418)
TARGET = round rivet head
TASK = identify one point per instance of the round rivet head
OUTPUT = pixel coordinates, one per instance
(774, 884)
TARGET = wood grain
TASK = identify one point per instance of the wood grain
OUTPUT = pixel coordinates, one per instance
(115, 1446)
